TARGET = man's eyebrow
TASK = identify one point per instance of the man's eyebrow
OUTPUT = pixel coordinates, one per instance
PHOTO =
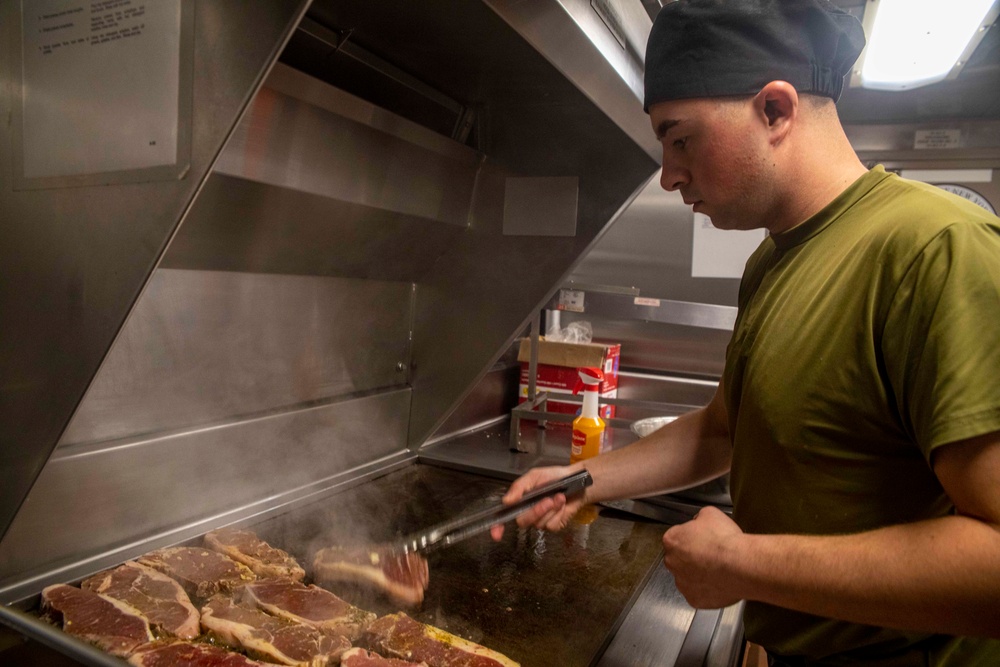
(665, 126)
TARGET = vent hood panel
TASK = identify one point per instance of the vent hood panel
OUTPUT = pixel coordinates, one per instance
(75, 259)
(472, 56)
(316, 181)
(241, 225)
(290, 143)
(352, 163)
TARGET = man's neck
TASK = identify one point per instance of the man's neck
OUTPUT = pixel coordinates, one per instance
(821, 169)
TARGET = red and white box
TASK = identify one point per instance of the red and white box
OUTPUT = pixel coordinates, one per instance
(558, 365)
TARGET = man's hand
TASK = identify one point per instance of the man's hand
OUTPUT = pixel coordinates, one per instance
(550, 514)
(699, 555)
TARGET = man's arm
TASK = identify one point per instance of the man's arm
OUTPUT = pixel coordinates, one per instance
(692, 449)
(940, 575)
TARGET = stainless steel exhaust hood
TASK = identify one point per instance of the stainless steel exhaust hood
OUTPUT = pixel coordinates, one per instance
(551, 89)
(368, 194)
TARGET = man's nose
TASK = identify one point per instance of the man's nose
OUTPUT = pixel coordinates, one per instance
(673, 178)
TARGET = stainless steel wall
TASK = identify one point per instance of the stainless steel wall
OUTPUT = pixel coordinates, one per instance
(206, 346)
(75, 258)
(648, 249)
(975, 145)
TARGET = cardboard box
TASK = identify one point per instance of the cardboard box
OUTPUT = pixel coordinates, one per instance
(557, 372)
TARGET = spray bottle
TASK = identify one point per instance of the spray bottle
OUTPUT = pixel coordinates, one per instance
(588, 428)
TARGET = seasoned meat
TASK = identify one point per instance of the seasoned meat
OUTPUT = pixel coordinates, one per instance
(403, 577)
(400, 636)
(160, 599)
(311, 605)
(277, 639)
(186, 654)
(245, 547)
(358, 657)
(105, 622)
(201, 572)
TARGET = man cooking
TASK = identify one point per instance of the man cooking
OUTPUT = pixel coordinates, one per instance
(859, 410)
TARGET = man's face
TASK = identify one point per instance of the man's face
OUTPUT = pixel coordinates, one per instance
(715, 153)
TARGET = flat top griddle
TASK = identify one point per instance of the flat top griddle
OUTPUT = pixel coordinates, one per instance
(539, 598)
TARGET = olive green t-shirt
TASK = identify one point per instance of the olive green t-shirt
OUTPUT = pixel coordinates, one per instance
(866, 337)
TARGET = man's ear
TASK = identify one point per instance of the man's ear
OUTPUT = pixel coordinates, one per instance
(777, 104)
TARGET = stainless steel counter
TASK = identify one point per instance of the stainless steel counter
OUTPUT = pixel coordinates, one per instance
(485, 449)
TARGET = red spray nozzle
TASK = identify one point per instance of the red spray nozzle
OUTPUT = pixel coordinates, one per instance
(590, 378)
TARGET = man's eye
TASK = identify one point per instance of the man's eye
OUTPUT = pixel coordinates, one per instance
(680, 143)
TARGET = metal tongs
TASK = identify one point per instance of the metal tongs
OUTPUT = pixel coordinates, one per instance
(454, 531)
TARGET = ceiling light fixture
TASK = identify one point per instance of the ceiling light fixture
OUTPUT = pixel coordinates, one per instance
(913, 43)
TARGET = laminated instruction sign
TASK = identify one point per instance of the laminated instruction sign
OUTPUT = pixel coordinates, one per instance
(104, 90)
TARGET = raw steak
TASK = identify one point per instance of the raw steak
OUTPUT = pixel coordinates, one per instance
(186, 654)
(311, 605)
(273, 638)
(105, 622)
(358, 657)
(403, 577)
(400, 636)
(160, 599)
(245, 547)
(201, 572)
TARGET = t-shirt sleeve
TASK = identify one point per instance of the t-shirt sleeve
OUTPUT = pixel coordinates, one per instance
(941, 341)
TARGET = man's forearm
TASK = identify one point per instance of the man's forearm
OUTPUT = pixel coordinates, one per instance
(941, 575)
(690, 450)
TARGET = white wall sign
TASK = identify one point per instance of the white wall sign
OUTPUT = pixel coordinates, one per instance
(100, 82)
(718, 253)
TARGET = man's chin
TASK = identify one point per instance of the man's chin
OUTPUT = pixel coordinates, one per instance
(724, 223)
(727, 223)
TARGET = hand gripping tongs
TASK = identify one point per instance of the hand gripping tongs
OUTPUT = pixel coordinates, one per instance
(454, 531)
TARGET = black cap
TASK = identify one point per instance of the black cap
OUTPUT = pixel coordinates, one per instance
(713, 48)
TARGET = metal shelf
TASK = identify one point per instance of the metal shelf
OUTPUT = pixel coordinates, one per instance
(626, 304)
(618, 303)
(535, 410)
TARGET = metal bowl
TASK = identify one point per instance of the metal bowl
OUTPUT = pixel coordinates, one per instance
(715, 491)
(644, 427)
